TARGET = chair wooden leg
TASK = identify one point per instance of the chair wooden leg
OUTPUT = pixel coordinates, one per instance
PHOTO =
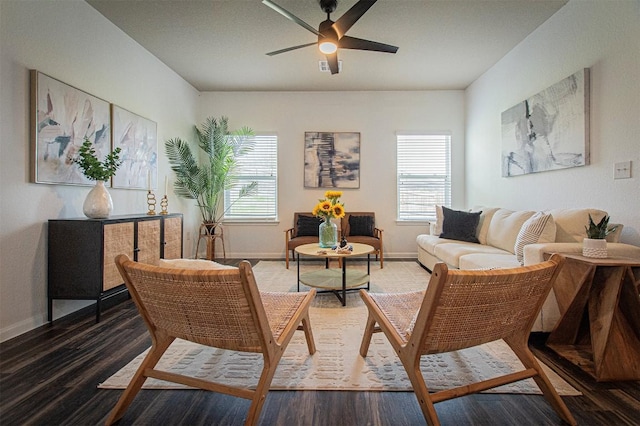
(551, 395)
(366, 337)
(308, 334)
(420, 389)
(268, 371)
(381, 259)
(138, 379)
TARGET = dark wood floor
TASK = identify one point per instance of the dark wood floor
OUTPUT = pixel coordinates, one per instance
(49, 376)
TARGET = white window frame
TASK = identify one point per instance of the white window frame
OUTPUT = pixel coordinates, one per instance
(423, 166)
(258, 165)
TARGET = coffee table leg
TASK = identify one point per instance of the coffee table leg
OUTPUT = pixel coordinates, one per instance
(298, 263)
(344, 281)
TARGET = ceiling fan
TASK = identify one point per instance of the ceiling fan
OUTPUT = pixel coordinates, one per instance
(331, 35)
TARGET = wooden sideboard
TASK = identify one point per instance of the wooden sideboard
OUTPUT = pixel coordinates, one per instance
(81, 253)
(600, 325)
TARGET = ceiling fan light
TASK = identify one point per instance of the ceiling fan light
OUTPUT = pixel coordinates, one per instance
(327, 47)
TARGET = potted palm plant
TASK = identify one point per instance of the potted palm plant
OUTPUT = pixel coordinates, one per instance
(205, 178)
(98, 204)
(595, 244)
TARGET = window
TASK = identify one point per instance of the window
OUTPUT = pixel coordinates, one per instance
(258, 165)
(424, 175)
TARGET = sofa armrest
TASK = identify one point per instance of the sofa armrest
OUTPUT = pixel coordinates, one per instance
(534, 253)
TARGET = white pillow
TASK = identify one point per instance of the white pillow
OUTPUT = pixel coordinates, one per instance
(192, 264)
(439, 221)
(530, 233)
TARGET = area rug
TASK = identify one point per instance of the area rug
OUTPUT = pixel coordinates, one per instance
(338, 331)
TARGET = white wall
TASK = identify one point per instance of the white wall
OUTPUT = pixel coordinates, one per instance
(603, 36)
(377, 116)
(70, 41)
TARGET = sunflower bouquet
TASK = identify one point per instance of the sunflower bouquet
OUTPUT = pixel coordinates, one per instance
(330, 207)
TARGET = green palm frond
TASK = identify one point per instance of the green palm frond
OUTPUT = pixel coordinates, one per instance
(206, 180)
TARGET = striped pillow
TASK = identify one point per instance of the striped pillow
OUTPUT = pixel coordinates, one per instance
(530, 233)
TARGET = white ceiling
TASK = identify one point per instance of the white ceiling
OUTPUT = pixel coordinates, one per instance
(220, 45)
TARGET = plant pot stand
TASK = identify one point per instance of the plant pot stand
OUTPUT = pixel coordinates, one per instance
(209, 234)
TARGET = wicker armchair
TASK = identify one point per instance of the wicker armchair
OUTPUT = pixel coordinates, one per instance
(461, 309)
(221, 308)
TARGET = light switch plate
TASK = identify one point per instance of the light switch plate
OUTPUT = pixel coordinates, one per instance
(622, 170)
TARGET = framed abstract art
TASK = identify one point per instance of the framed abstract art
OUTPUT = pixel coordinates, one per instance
(549, 130)
(137, 137)
(332, 160)
(62, 116)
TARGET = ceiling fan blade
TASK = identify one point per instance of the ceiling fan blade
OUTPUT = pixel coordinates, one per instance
(347, 42)
(350, 17)
(291, 16)
(288, 49)
(332, 61)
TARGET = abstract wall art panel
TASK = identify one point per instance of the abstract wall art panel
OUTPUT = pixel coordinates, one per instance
(549, 130)
(61, 118)
(331, 160)
(137, 137)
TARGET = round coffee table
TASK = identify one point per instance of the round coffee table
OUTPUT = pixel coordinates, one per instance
(336, 281)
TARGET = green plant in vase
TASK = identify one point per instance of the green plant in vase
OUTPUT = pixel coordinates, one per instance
(206, 177)
(98, 204)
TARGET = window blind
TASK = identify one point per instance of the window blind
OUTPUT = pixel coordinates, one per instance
(424, 174)
(258, 165)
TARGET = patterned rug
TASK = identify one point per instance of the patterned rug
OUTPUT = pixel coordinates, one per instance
(338, 331)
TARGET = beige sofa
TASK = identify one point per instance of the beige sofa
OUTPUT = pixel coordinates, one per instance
(497, 232)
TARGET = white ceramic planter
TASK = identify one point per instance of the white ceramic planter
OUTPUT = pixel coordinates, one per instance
(98, 204)
(594, 248)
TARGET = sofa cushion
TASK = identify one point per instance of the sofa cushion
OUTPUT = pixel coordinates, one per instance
(483, 223)
(428, 243)
(460, 225)
(198, 264)
(361, 225)
(488, 261)
(504, 227)
(439, 220)
(451, 253)
(570, 223)
(307, 226)
(531, 232)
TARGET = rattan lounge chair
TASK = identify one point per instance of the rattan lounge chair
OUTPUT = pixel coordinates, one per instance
(462, 309)
(220, 308)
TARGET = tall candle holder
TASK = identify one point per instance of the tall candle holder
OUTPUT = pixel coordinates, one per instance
(164, 204)
(151, 202)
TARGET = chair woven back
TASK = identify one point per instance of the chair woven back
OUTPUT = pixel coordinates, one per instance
(211, 307)
(468, 308)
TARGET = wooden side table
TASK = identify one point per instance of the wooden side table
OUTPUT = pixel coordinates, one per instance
(599, 330)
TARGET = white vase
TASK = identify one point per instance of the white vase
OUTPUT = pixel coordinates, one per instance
(98, 204)
(594, 248)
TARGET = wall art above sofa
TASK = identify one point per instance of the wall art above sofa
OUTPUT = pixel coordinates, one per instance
(549, 130)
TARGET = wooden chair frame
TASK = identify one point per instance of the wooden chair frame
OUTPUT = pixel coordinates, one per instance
(462, 309)
(261, 322)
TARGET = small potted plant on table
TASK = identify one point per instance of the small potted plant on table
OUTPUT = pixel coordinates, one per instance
(595, 244)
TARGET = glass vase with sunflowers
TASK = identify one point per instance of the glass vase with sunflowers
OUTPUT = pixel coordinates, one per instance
(329, 208)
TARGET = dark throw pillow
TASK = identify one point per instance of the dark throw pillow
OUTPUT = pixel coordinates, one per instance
(361, 225)
(307, 226)
(459, 225)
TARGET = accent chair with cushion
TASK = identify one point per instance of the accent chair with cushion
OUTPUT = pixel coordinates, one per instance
(304, 231)
(219, 307)
(461, 309)
(360, 227)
